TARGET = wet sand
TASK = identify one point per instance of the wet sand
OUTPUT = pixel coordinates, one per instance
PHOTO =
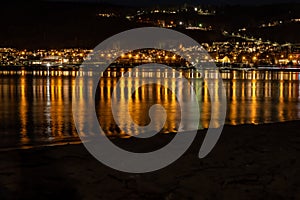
(249, 162)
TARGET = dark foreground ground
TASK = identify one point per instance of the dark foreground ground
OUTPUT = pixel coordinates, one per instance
(249, 162)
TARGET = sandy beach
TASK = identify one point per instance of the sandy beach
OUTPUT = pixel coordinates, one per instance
(249, 162)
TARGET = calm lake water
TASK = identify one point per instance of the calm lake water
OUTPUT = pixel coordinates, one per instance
(36, 108)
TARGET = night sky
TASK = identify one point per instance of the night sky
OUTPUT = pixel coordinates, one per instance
(37, 24)
(159, 2)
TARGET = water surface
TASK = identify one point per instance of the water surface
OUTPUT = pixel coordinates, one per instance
(36, 108)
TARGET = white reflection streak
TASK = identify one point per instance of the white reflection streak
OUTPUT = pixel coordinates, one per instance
(48, 106)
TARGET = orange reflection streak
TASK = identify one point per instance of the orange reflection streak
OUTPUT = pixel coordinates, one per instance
(205, 106)
(217, 105)
(57, 108)
(281, 92)
(253, 108)
(281, 99)
(23, 109)
(290, 90)
(233, 105)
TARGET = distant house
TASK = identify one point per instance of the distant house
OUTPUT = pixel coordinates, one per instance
(224, 59)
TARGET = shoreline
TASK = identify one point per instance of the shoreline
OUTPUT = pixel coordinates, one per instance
(76, 67)
(248, 162)
(77, 141)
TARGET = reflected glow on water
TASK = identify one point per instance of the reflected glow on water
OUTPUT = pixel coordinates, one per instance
(36, 106)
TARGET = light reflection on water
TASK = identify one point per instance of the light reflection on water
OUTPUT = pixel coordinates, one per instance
(37, 108)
